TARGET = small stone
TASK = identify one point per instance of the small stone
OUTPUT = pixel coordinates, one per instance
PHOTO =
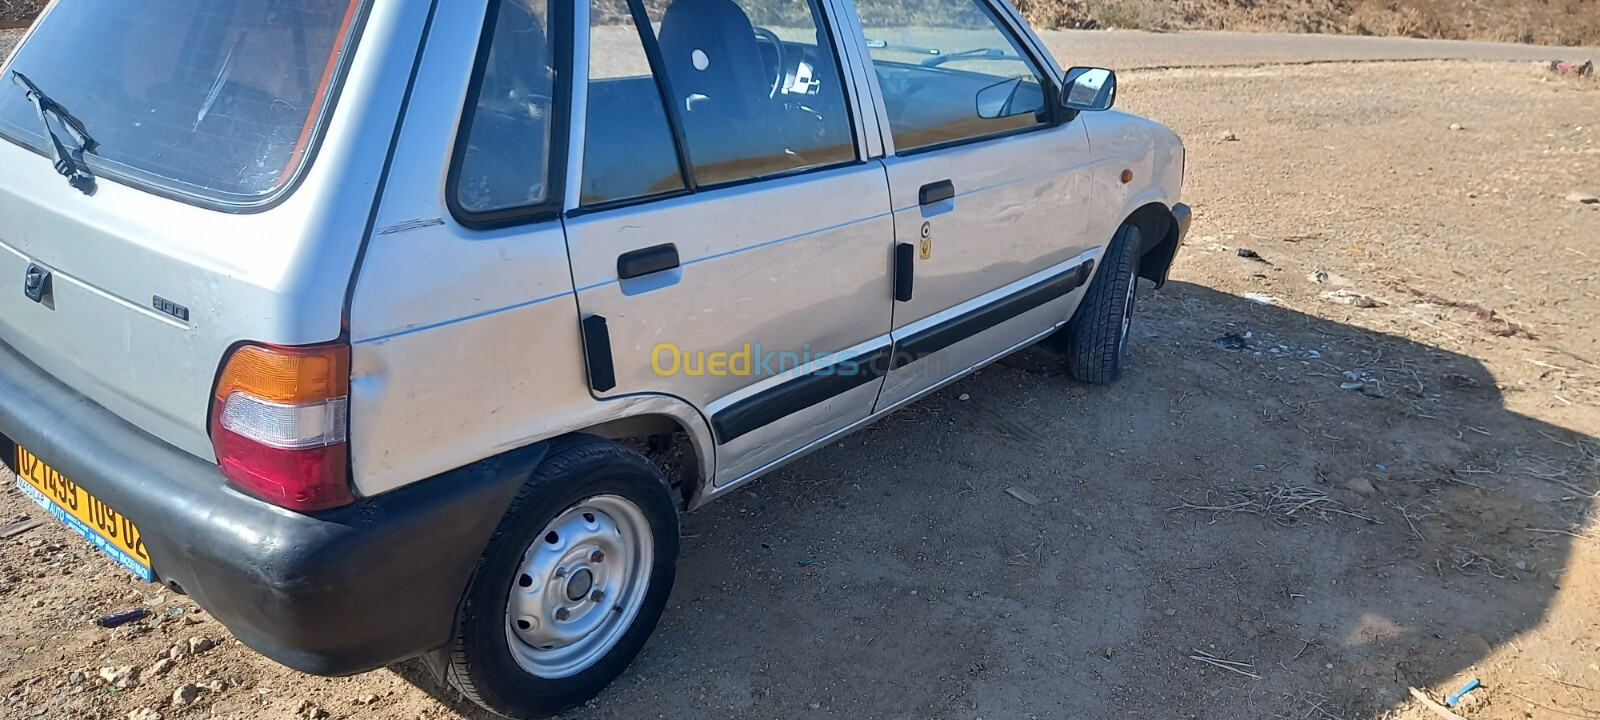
(1171, 612)
(176, 651)
(144, 714)
(121, 677)
(1228, 136)
(1583, 198)
(1456, 126)
(185, 694)
(367, 699)
(1373, 391)
(162, 666)
(215, 686)
(964, 397)
(1360, 486)
(77, 678)
(199, 645)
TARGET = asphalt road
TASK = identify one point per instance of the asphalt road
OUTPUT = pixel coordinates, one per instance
(1129, 50)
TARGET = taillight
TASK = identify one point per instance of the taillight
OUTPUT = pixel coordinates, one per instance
(279, 423)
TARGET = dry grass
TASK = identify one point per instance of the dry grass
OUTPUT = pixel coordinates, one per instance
(1129, 14)
(1285, 505)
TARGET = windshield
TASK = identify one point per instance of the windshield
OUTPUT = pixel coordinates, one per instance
(209, 98)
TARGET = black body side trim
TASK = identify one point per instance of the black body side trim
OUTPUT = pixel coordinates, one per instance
(757, 412)
(597, 353)
(648, 261)
(905, 263)
(954, 330)
(937, 192)
(335, 593)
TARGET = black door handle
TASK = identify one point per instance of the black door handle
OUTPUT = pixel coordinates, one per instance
(648, 261)
(905, 256)
(938, 192)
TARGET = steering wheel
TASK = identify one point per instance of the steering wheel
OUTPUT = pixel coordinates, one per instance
(783, 63)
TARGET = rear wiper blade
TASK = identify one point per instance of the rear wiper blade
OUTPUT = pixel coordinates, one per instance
(978, 54)
(67, 162)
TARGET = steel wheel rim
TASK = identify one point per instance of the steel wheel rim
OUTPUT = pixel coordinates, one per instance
(579, 586)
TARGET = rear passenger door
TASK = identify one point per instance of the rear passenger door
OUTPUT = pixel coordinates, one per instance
(986, 174)
(730, 242)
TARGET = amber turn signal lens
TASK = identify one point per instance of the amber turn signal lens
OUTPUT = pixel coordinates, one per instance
(1127, 176)
(287, 375)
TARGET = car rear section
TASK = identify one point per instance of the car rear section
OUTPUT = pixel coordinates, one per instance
(187, 308)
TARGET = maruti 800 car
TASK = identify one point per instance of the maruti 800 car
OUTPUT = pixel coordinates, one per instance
(400, 328)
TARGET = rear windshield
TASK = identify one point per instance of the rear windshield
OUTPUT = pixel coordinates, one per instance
(219, 99)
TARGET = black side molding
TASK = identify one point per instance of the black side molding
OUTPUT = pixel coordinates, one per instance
(597, 354)
(648, 261)
(938, 192)
(759, 411)
(956, 329)
(905, 258)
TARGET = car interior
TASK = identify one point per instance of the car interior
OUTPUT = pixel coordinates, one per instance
(752, 104)
(754, 101)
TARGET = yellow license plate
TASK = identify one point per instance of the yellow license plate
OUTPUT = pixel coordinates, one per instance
(108, 529)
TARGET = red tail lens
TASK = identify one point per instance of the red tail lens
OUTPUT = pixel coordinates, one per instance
(279, 424)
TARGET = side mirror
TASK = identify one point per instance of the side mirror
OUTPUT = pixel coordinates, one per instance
(994, 101)
(1090, 89)
(1010, 98)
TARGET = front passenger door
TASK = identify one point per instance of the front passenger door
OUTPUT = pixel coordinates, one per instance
(987, 184)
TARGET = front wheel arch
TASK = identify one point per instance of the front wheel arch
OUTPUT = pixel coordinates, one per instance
(1159, 245)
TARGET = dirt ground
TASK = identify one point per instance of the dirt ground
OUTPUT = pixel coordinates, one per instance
(1361, 459)
(1547, 22)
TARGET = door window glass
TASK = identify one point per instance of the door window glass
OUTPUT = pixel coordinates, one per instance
(506, 162)
(949, 71)
(756, 84)
(628, 147)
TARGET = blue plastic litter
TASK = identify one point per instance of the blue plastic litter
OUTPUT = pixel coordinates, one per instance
(1469, 687)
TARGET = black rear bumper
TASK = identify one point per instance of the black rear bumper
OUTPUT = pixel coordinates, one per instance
(336, 593)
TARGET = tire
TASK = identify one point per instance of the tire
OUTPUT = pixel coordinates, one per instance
(593, 522)
(1095, 342)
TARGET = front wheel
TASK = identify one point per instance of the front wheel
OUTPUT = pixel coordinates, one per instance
(572, 584)
(1095, 342)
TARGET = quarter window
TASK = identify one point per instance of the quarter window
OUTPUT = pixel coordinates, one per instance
(949, 72)
(505, 164)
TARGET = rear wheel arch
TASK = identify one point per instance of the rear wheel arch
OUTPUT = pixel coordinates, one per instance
(667, 442)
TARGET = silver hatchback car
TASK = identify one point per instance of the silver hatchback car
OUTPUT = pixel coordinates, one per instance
(399, 328)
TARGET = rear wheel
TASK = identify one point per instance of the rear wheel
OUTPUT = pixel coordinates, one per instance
(1095, 343)
(571, 585)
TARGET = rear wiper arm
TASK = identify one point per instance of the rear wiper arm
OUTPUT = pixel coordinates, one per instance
(67, 162)
(978, 54)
